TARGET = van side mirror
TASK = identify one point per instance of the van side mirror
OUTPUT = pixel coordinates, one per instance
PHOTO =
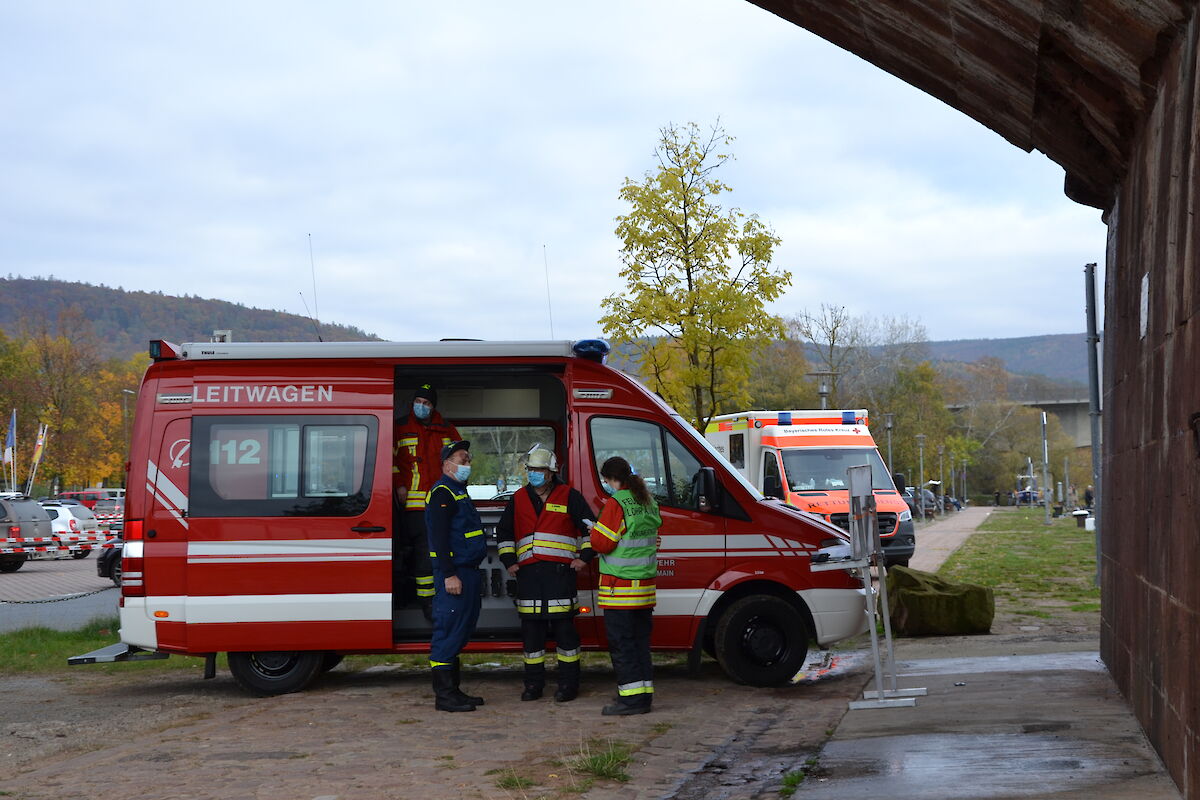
(773, 487)
(707, 490)
(898, 479)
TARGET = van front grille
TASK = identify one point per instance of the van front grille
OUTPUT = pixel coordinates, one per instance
(887, 522)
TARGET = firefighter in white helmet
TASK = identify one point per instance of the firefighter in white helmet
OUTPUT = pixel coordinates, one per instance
(543, 540)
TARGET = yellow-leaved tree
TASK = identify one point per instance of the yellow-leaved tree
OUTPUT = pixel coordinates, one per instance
(698, 279)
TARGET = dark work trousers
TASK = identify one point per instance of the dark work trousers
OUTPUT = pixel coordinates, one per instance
(454, 618)
(628, 631)
(547, 605)
(415, 544)
(534, 630)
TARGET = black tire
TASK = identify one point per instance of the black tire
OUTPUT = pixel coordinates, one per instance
(116, 571)
(78, 554)
(761, 640)
(331, 660)
(266, 674)
(12, 563)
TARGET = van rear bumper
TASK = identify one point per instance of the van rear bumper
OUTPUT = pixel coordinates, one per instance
(837, 613)
(137, 627)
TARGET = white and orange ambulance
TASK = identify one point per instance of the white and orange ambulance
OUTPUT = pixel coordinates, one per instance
(259, 519)
(801, 458)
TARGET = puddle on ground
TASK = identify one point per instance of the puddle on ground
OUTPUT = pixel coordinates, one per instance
(954, 766)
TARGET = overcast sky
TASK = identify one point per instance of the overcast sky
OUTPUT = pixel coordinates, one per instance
(437, 151)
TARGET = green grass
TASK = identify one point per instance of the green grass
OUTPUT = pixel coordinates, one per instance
(604, 759)
(513, 781)
(41, 650)
(793, 779)
(1034, 569)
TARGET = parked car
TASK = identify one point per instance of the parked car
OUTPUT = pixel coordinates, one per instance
(89, 497)
(72, 523)
(110, 512)
(108, 563)
(23, 519)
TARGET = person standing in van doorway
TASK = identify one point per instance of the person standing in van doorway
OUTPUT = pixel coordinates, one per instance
(457, 546)
(538, 536)
(626, 537)
(420, 437)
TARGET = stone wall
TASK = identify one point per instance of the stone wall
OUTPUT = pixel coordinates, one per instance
(1150, 636)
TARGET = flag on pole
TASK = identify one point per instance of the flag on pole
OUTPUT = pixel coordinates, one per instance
(10, 442)
(37, 456)
(37, 448)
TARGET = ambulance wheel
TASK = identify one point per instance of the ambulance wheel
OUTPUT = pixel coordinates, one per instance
(80, 554)
(266, 674)
(761, 640)
(330, 660)
(12, 563)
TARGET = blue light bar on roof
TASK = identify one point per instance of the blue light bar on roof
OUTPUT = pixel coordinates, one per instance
(592, 349)
(785, 418)
(848, 418)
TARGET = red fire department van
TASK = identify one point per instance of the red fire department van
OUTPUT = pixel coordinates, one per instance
(259, 519)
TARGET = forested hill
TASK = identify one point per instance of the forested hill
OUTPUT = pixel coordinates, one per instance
(123, 321)
(1061, 356)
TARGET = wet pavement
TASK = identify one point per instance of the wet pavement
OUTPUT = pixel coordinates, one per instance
(1026, 725)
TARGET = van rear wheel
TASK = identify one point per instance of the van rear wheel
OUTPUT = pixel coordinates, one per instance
(266, 674)
(761, 640)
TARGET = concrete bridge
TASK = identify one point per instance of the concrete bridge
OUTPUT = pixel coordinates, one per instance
(1074, 415)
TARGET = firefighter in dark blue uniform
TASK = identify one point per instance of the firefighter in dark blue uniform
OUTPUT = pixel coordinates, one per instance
(456, 548)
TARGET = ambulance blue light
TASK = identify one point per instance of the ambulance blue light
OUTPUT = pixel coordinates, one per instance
(785, 418)
(848, 418)
(592, 349)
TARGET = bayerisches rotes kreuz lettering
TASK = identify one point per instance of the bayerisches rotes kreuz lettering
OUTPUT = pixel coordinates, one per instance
(249, 394)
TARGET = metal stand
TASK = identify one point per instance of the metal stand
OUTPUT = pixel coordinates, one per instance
(866, 546)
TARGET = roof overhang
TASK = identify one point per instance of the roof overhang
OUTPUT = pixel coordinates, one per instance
(1071, 79)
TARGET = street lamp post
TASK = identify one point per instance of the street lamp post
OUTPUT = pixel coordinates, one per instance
(887, 424)
(942, 472)
(823, 386)
(921, 475)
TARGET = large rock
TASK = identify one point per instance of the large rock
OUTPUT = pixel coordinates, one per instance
(922, 604)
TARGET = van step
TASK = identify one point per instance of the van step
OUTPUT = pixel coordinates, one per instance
(116, 652)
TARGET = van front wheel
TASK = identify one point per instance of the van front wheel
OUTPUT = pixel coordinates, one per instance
(761, 640)
(273, 673)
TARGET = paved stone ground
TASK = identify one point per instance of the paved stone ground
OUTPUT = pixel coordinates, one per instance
(937, 540)
(374, 734)
(38, 580)
(51, 578)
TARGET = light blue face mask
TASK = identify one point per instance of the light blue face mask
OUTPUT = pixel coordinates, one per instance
(536, 478)
(608, 487)
(462, 473)
(422, 411)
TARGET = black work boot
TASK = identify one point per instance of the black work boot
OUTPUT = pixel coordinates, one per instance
(443, 692)
(568, 681)
(535, 680)
(459, 694)
(619, 709)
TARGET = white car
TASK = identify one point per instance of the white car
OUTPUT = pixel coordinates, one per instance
(72, 525)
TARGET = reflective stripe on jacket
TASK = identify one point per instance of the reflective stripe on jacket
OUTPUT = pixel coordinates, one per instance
(626, 536)
(468, 545)
(417, 456)
(548, 536)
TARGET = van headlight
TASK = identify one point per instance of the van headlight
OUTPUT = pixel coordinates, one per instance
(906, 515)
